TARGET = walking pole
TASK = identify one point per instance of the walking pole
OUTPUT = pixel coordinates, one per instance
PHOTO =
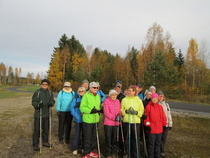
(144, 140)
(50, 120)
(123, 140)
(40, 131)
(137, 150)
(99, 153)
(129, 137)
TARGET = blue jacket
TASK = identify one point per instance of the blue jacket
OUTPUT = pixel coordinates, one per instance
(102, 95)
(141, 96)
(75, 111)
(64, 101)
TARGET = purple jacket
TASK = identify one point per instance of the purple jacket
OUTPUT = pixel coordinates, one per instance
(111, 110)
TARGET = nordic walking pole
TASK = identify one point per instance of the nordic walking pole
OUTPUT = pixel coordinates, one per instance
(50, 120)
(123, 140)
(137, 150)
(99, 153)
(40, 131)
(129, 137)
(144, 140)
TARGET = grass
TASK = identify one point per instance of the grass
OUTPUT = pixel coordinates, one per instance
(29, 88)
(9, 94)
(189, 137)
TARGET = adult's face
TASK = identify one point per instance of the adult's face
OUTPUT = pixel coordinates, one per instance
(94, 89)
(118, 90)
(161, 97)
(44, 85)
(85, 85)
(131, 93)
(81, 92)
(148, 95)
(67, 87)
(155, 100)
(153, 90)
(113, 96)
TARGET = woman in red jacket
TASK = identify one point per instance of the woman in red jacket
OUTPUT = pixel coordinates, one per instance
(155, 125)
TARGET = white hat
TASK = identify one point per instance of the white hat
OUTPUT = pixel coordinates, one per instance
(93, 84)
(67, 84)
(152, 87)
(147, 91)
(112, 91)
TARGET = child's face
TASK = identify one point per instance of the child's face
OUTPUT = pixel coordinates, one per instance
(154, 100)
(113, 96)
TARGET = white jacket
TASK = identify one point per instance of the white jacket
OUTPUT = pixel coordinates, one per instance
(167, 111)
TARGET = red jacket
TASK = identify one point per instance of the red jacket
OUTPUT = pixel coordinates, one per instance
(156, 118)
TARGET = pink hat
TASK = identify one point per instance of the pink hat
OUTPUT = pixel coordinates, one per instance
(154, 95)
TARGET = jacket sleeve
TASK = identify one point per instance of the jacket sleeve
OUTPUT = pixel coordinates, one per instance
(147, 112)
(141, 108)
(108, 113)
(164, 120)
(103, 96)
(72, 109)
(84, 108)
(123, 107)
(35, 100)
(170, 122)
(52, 100)
(58, 104)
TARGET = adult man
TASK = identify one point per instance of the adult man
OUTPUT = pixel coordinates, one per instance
(42, 100)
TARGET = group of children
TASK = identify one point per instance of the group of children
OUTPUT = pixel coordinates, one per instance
(123, 114)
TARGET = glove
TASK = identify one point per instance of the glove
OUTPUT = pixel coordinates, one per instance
(118, 118)
(58, 113)
(93, 111)
(40, 105)
(169, 128)
(148, 129)
(131, 111)
(144, 117)
(50, 104)
(164, 128)
(128, 111)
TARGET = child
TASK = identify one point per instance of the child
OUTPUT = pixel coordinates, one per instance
(112, 118)
(155, 125)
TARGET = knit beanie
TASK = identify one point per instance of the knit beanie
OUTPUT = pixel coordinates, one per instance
(45, 80)
(112, 91)
(93, 84)
(160, 93)
(85, 81)
(147, 91)
(152, 87)
(154, 95)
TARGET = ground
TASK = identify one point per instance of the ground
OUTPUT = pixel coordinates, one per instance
(16, 126)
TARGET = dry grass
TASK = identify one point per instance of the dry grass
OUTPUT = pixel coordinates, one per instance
(190, 137)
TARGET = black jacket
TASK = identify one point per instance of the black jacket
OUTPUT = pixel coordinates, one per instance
(47, 98)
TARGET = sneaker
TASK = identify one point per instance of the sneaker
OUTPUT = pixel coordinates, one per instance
(162, 155)
(75, 152)
(93, 154)
(46, 145)
(36, 148)
(86, 156)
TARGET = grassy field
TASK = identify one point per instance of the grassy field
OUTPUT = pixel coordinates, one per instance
(189, 138)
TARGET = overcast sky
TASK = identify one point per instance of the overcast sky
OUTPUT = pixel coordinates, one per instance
(30, 29)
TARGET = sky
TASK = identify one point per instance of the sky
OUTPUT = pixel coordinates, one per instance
(30, 29)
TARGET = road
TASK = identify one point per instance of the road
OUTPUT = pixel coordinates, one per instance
(175, 106)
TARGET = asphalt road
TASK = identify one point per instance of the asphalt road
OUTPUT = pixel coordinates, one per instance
(175, 106)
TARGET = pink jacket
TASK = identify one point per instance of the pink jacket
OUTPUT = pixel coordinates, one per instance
(111, 110)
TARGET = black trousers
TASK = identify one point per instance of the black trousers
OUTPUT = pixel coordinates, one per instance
(78, 136)
(132, 143)
(89, 131)
(111, 139)
(154, 142)
(45, 130)
(163, 140)
(65, 122)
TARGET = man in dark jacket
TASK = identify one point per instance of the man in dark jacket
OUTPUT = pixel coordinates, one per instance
(42, 100)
